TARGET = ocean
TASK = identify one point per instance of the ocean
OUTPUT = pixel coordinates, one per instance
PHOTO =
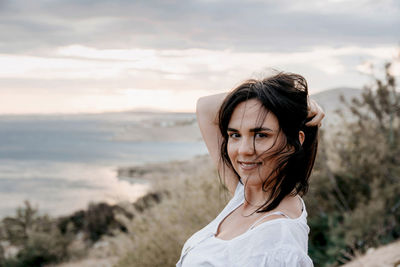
(61, 163)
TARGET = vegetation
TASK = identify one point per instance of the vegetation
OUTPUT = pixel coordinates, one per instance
(354, 203)
(194, 198)
(36, 240)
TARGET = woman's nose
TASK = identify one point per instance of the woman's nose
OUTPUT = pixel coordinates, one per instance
(246, 146)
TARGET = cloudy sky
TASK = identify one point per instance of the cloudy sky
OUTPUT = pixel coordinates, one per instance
(70, 56)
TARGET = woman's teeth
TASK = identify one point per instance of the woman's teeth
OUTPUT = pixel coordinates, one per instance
(248, 165)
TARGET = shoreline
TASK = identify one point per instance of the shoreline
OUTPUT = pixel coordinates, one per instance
(91, 227)
(62, 163)
(116, 183)
(169, 178)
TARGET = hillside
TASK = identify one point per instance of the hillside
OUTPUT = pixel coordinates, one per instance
(329, 100)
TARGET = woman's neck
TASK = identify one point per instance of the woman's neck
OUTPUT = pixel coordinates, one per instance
(255, 198)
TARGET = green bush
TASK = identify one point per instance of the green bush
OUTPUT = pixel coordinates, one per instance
(354, 200)
(98, 220)
(37, 237)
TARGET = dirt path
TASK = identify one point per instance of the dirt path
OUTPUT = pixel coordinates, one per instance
(386, 256)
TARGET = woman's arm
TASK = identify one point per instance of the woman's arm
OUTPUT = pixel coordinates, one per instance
(207, 117)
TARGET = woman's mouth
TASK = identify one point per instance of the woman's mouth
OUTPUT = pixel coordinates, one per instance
(248, 165)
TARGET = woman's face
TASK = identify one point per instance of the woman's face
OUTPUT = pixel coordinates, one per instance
(251, 141)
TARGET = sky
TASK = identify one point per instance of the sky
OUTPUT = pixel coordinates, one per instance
(89, 56)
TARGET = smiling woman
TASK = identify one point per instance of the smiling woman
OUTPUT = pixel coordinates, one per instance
(263, 138)
(250, 146)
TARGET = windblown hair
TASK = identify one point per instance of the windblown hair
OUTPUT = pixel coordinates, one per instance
(286, 96)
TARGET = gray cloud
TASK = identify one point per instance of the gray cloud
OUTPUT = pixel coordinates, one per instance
(27, 27)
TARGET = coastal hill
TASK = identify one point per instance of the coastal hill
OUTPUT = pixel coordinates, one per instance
(330, 101)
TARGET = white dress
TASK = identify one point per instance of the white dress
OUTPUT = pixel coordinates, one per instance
(275, 243)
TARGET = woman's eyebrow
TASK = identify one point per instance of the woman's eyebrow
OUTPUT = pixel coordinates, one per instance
(260, 129)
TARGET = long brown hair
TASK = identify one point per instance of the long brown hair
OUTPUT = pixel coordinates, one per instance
(285, 95)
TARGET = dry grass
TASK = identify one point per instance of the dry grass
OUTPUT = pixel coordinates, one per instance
(194, 197)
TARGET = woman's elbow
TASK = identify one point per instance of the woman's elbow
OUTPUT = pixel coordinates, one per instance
(200, 106)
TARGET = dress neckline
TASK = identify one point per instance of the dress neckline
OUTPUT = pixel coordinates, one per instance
(287, 219)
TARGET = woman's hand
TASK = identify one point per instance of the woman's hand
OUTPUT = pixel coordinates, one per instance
(315, 112)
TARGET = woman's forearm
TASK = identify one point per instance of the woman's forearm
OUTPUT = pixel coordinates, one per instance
(208, 106)
(207, 118)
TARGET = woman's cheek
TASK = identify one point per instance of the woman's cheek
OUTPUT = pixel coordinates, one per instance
(263, 146)
(232, 149)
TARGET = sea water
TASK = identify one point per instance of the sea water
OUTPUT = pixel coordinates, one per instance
(60, 163)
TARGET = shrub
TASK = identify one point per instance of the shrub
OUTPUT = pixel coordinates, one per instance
(354, 199)
(37, 237)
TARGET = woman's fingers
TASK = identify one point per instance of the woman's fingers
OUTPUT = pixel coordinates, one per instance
(316, 112)
(316, 120)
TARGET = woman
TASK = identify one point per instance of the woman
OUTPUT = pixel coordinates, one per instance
(263, 138)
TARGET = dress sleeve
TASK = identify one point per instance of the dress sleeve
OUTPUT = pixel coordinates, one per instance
(282, 257)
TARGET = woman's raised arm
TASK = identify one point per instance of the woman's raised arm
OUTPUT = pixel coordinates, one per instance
(207, 117)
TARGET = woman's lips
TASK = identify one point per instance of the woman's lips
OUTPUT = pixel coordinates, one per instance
(248, 165)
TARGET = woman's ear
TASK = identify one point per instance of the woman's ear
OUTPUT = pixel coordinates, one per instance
(301, 137)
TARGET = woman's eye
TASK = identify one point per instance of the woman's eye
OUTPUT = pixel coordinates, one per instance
(234, 135)
(261, 135)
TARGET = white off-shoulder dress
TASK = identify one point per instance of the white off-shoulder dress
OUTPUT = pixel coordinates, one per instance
(275, 243)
